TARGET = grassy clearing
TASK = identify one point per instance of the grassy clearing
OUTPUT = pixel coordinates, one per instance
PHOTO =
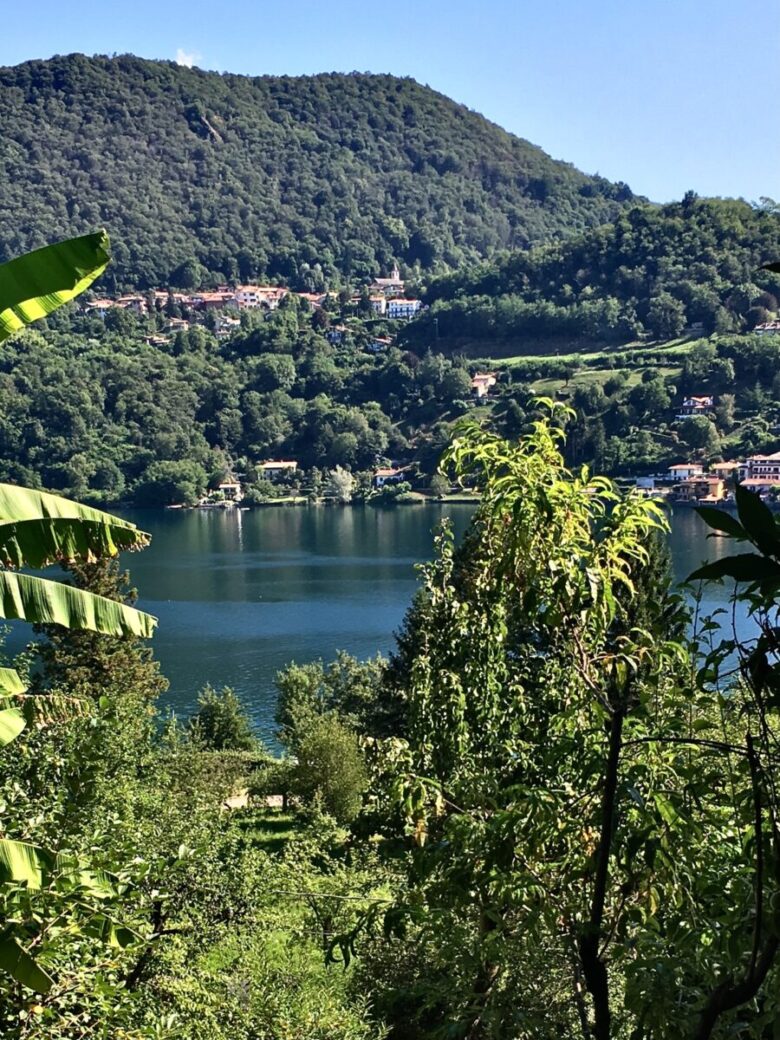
(588, 377)
(613, 356)
(269, 829)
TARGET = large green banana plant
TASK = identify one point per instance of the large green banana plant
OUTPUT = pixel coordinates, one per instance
(38, 529)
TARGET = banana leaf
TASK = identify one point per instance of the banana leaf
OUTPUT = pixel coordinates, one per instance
(10, 683)
(34, 285)
(12, 722)
(37, 543)
(37, 600)
(21, 966)
(23, 863)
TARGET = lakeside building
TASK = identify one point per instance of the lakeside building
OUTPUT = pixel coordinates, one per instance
(760, 467)
(685, 471)
(768, 328)
(481, 382)
(403, 309)
(388, 475)
(700, 489)
(231, 490)
(726, 470)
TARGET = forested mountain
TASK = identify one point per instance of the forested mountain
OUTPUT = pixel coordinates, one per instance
(198, 175)
(654, 270)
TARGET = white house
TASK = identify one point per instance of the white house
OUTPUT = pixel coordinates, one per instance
(277, 467)
(249, 297)
(388, 475)
(403, 309)
(696, 406)
(768, 328)
(686, 470)
(379, 305)
(231, 490)
(761, 467)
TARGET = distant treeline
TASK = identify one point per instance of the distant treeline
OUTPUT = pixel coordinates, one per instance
(654, 270)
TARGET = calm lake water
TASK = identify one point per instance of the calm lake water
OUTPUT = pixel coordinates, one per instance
(240, 594)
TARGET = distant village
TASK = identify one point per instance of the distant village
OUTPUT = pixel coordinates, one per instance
(699, 483)
(386, 298)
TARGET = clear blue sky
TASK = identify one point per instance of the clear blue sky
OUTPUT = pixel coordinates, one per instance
(664, 94)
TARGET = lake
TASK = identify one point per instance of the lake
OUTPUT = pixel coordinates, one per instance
(240, 594)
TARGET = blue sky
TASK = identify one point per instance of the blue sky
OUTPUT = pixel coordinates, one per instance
(664, 94)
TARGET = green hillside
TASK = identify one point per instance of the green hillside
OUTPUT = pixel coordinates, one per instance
(653, 272)
(202, 175)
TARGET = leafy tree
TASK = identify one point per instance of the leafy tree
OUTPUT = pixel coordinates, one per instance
(171, 483)
(329, 765)
(339, 485)
(221, 722)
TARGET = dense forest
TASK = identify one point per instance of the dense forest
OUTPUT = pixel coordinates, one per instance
(653, 271)
(205, 177)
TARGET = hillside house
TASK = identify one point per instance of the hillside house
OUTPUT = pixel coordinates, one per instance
(314, 300)
(378, 344)
(768, 328)
(378, 305)
(403, 310)
(226, 326)
(392, 286)
(685, 471)
(276, 468)
(335, 334)
(212, 301)
(250, 297)
(176, 325)
(481, 383)
(696, 406)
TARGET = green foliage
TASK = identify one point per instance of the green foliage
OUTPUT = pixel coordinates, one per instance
(303, 179)
(353, 690)
(329, 766)
(576, 800)
(654, 269)
(221, 722)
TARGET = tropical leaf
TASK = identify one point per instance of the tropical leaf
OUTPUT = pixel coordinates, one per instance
(23, 863)
(12, 722)
(35, 599)
(111, 933)
(34, 285)
(20, 965)
(758, 521)
(10, 683)
(744, 567)
(37, 543)
(720, 521)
